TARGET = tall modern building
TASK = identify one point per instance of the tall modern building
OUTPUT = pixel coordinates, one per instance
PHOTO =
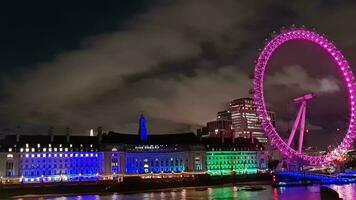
(238, 120)
(244, 119)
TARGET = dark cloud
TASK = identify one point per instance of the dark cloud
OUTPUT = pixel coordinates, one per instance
(182, 61)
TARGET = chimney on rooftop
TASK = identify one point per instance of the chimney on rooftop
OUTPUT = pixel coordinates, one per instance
(50, 133)
(222, 137)
(233, 137)
(18, 134)
(100, 134)
(67, 134)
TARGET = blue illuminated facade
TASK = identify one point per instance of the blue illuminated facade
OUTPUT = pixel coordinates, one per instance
(65, 166)
(159, 158)
(139, 163)
(49, 158)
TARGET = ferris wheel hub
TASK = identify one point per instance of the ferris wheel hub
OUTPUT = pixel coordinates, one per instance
(303, 98)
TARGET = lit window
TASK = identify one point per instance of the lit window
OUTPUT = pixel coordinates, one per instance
(50, 149)
(60, 149)
(27, 145)
(55, 149)
(10, 155)
(86, 155)
(32, 155)
(70, 145)
(44, 149)
(26, 155)
(10, 149)
(55, 155)
(49, 145)
(21, 149)
(60, 155)
(38, 145)
(65, 149)
(38, 155)
(44, 155)
(27, 149)
(33, 149)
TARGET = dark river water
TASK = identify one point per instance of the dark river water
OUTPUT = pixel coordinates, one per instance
(347, 192)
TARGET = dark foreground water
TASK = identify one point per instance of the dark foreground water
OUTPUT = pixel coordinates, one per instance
(348, 192)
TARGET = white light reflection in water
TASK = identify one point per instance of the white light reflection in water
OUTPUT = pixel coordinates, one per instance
(152, 195)
(115, 196)
(184, 194)
(173, 195)
(234, 191)
(210, 190)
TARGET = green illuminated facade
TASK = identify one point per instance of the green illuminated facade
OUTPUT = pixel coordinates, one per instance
(231, 162)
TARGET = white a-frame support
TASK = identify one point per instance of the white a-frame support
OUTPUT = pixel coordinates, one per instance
(300, 120)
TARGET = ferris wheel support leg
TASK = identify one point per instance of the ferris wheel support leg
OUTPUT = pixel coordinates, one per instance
(302, 127)
(295, 125)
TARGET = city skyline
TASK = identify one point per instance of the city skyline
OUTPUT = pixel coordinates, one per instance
(152, 58)
(177, 99)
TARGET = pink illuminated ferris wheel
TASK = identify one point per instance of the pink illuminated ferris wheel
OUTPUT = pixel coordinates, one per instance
(258, 88)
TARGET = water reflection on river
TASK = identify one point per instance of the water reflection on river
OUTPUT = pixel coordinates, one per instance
(348, 192)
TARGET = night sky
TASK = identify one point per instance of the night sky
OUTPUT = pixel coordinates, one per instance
(83, 64)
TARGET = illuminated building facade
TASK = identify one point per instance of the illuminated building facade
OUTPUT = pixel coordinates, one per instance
(235, 158)
(245, 121)
(238, 120)
(220, 128)
(231, 162)
(51, 158)
(83, 159)
(159, 154)
(112, 156)
(139, 163)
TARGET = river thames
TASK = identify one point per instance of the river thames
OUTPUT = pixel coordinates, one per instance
(347, 192)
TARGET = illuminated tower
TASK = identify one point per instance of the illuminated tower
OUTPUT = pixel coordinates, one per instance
(142, 129)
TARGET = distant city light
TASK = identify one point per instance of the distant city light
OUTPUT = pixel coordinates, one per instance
(91, 132)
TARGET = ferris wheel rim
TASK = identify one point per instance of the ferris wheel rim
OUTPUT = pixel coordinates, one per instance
(258, 88)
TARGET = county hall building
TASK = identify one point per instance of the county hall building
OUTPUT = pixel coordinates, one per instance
(112, 156)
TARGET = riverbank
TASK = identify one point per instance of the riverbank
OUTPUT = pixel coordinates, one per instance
(129, 185)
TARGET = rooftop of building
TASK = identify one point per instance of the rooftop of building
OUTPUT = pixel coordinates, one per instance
(111, 137)
(239, 143)
(46, 139)
(248, 100)
(177, 138)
